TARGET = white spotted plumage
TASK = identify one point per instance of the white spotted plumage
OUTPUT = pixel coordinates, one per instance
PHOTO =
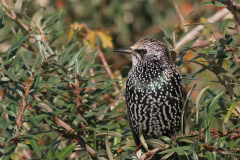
(154, 91)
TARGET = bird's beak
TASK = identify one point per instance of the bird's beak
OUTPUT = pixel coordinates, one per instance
(124, 50)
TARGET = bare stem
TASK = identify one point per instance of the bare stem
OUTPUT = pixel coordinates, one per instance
(181, 17)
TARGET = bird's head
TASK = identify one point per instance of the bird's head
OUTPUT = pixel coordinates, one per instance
(147, 49)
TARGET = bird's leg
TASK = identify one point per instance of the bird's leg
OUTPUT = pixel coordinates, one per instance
(174, 137)
(140, 145)
(134, 153)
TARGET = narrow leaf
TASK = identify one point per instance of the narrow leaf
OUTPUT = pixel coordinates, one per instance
(141, 136)
(88, 65)
(218, 4)
(66, 151)
(34, 120)
(184, 105)
(35, 147)
(232, 107)
(199, 97)
(108, 149)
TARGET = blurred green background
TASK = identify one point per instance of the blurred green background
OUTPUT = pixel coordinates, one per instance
(119, 24)
(126, 21)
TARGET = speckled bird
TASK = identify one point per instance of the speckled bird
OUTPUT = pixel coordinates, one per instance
(155, 92)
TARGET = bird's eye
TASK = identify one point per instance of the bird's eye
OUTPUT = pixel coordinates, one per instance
(141, 51)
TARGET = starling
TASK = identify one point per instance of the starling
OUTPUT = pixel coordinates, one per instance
(155, 92)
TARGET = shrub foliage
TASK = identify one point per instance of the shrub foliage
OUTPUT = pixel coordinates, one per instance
(56, 103)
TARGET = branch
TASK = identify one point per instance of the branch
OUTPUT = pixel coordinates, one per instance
(197, 31)
(14, 16)
(107, 67)
(181, 17)
(63, 124)
(206, 42)
(233, 9)
(23, 105)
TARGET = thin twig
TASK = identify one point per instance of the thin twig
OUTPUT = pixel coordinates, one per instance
(14, 17)
(197, 31)
(153, 152)
(107, 67)
(181, 17)
(206, 42)
(68, 128)
(233, 9)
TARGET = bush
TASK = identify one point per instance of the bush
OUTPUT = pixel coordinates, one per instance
(56, 103)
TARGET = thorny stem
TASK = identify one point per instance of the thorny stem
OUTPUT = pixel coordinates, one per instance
(23, 105)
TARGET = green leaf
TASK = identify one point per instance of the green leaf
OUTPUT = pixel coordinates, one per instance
(232, 107)
(206, 126)
(76, 69)
(231, 144)
(117, 139)
(108, 149)
(29, 99)
(167, 156)
(210, 155)
(10, 75)
(8, 151)
(177, 149)
(25, 62)
(26, 4)
(66, 151)
(234, 78)
(87, 66)
(17, 42)
(224, 23)
(34, 120)
(144, 144)
(169, 40)
(41, 49)
(34, 66)
(51, 18)
(1, 22)
(184, 105)
(35, 147)
(49, 49)
(156, 143)
(166, 139)
(7, 124)
(77, 56)
(25, 146)
(198, 100)
(212, 107)
(218, 4)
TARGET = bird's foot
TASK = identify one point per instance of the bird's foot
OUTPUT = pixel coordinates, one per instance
(174, 137)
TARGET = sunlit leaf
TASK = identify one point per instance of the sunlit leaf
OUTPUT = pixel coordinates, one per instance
(232, 107)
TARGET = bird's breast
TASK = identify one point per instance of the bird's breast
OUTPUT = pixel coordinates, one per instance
(154, 95)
